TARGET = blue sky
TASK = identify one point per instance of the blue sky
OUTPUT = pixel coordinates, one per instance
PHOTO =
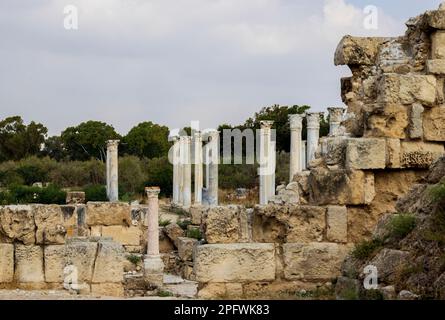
(175, 61)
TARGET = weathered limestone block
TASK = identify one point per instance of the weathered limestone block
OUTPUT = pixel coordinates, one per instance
(49, 220)
(408, 89)
(436, 19)
(333, 150)
(393, 153)
(185, 248)
(302, 179)
(337, 224)
(17, 224)
(128, 236)
(28, 263)
(393, 57)
(82, 255)
(6, 262)
(388, 261)
(288, 194)
(436, 66)
(197, 212)
(109, 263)
(313, 261)
(54, 263)
(222, 225)
(357, 51)
(108, 213)
(173, 232)
(107, 289)
(416, 121)
(235, 262)
(438, 45)
(365, 153)
(434, 124)
(420, 154)
(341, 187)
(75, 197)
(386, 120)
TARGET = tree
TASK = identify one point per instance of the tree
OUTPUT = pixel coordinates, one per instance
(54, 148)
(147, 140)
(88, 140)
(18, 140)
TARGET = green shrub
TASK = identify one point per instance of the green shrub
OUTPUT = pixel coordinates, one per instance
(184, 224)
(164, 223)
(401, 225)
(194, 234)
(159, 174)
(134, 259)
(96, 193)
(165, 293)
(25, 194)
(366, 249)
(32, 174)
(438, 192)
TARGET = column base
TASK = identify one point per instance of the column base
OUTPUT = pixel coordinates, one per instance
(154, 270)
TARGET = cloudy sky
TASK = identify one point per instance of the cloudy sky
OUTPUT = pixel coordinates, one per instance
(174, 61)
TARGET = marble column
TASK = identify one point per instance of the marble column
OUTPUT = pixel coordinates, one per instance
(296, 127)
(198, 167)
(153, 265)
(273, 164)
(265, 170)
(313, 135)
(187, 173)
(335, 119)
(303, 156)
(112, 170)
(213, 164)
(181, 147)
(176, 166)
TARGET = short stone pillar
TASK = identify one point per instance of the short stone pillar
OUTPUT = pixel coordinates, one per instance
(335, 119)
(176, 170)
(187, 172)
(199, 175)
(313, 135)
(266, 170)
(213, 165)
(153, 265)
(112, 170)
(296, 127)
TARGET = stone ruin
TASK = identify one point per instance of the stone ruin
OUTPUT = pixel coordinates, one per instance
(298, 236)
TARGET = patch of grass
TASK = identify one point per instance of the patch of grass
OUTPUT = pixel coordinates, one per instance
(184, 224)
(438, 192)
(349, 294)
(194, 233)
(372, 295)
(179, 211)
(134, 259)
(165, 293)
(401, 225)
(320, 293)
(366, 249)
(164, 222)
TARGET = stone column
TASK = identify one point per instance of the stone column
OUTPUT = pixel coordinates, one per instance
(273, 163)
(198, 168)
(265, 159)
(187, 173)
(153, 265)
(296, 127)
(213, 164)
(313, 135)
(112, 170)
(176, 170)
(303, 156)
(181, 147)
(335, 119)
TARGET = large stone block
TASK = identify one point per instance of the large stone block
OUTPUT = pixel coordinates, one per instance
(366, 153)
(386, 120)
(434, 124)
(128, 236)
(420, 154)
(357, 51)
(235, 262)
(337, 224)
(6, 262)
(54, 263)
(313, 261)
(108, 214)
(436, 19)
(436, 66)
(222, 225)
(416, 121)
(185, 248)
(28, 263)
(333, 150)
(341, 187)
(197, 212)
(82, 255)
(17, 224)
(393, 153)
(109, 263)
(438, 45)
(51, 224)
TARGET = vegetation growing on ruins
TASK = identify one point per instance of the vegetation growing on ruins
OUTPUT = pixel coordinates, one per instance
(366, 249)
(401, 225)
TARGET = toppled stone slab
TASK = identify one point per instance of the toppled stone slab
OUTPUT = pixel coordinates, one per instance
(235, 262)
(108, 214)
(313, 261)
(6, 262)
(365, 153)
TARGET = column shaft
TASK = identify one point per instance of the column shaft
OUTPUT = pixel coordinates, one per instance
(296, 126)
(187, 174)
(198, 168)
(112, 170)
(313, 135)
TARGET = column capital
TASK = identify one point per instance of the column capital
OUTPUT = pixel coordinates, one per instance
(112, 143)
(313, 120)
(266, 124)
(152, 192)
(336, 114)
(174, 138)
(296, 121)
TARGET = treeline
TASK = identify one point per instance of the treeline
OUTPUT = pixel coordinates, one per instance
(76, 158)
